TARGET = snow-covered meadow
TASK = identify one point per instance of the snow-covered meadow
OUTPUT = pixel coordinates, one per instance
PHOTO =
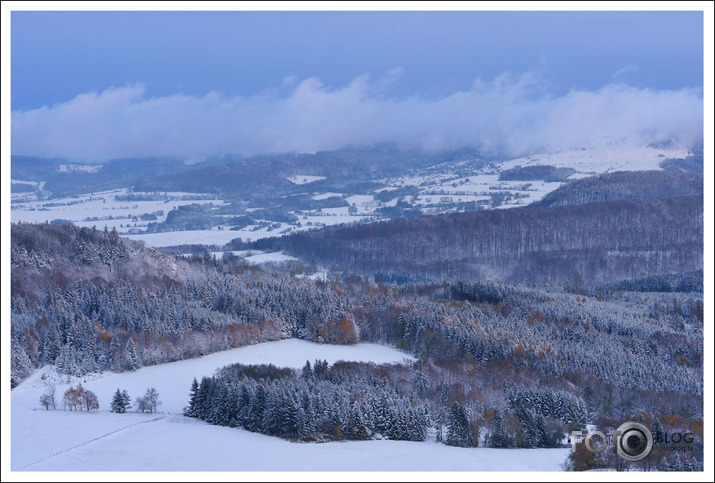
(167, 441)
(437, 186)
(104, 209)
(602, 159)
(304, 179)
(215, 236)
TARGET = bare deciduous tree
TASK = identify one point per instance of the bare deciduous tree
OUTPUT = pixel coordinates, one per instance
(47, 400)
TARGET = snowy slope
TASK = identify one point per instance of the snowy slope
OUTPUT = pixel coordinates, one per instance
(173, 380)
(175, 443)
(103, 441)
(601, 159)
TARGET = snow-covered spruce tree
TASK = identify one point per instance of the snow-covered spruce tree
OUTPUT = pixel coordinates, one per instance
(190, 410)
(117, 404)
(243, 406)
(307, 372)
(459, 431)
(420, 383)
(51, 347)
(131, 356)
(440, 415)
(499, 437)
(356, 425)
(533, 429)
(257, 414)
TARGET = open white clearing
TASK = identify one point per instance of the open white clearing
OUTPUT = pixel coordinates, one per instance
(304, 179)
(103, 441)
(602, 159)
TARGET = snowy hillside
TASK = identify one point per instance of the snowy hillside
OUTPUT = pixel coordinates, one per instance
(103, 441)
(173, 380)
(444, 187)
(601, 159)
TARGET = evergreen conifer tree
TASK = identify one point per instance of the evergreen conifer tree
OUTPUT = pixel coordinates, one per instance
(190, 411)
(458, 428)
(117, 404)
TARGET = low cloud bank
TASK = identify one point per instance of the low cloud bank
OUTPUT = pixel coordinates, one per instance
(510, 114)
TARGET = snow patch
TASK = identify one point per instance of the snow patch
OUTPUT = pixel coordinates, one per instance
(269, 257)
(325, 196)
(79, 168)
(304, 179)
(29, 183)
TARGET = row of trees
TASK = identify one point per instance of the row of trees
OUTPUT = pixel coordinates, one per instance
(74, 399)
(148, 403)
(79, 398)
(316, 406)
(357, 402)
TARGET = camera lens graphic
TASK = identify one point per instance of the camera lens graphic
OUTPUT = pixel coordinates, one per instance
(634, 441)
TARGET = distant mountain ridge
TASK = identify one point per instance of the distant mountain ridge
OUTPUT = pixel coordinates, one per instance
(234, 176)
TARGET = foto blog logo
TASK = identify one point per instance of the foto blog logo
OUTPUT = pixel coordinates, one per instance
(633, 441)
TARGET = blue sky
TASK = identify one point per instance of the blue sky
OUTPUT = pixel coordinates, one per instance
(57, 55)
(103, 67)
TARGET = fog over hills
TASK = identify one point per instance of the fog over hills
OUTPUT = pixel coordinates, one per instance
(511, 114)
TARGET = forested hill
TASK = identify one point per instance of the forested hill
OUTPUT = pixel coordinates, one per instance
(587, 243)
(88, 301)
(641, 185)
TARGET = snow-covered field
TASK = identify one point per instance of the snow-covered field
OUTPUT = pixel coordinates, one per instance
(175, 443)
(602, 159)
(438, 187)
(325, 196)
(214, 236)
(187, 237)
(436, 191)
(103, 441)
(102, 209)
(269, 257)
